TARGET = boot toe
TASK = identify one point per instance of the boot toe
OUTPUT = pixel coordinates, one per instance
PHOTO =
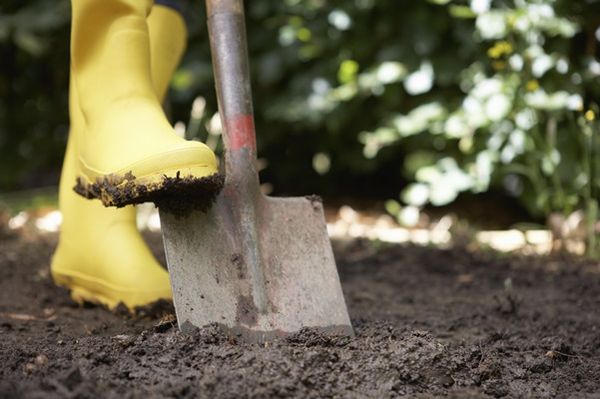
(88, 287)
(188, 170)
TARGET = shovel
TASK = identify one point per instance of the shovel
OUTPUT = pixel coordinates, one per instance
(258, 267)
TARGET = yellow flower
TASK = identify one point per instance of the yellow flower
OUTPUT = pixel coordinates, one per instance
(507, 47)
(532, 85)
(499, 49)
(590, 115)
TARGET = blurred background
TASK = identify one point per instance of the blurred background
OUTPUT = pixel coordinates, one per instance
(431, 114)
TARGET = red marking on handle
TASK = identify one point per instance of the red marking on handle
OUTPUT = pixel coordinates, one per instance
(240, 131)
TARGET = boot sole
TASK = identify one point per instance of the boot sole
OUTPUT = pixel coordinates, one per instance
(178, 195)
(85, 289)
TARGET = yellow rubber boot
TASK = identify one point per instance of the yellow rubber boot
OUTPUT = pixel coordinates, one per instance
(101, 256)
(168, 38)
(129, 152)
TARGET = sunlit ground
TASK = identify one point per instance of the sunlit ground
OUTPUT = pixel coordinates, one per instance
(37, 211)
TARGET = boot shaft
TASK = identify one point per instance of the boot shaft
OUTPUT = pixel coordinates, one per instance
(110, 53)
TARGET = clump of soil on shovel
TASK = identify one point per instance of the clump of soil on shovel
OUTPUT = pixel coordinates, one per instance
(428, 323)
(119, 191)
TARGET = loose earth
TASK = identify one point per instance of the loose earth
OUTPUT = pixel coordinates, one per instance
(429, 323)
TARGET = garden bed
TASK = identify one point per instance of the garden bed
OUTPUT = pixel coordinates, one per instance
(428, 322)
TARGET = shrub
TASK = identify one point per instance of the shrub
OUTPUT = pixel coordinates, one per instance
(451, 96)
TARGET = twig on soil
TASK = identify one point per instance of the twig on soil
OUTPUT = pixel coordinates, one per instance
(27, 317)
(553, 354)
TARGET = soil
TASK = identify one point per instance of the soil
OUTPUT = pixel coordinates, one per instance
(119, 191)
(428, 322)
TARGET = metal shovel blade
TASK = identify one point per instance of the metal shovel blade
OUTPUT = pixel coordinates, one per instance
(292, 283)
(259, 267)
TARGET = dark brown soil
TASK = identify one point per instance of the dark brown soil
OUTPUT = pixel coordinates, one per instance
(429, 323)
(119, 191)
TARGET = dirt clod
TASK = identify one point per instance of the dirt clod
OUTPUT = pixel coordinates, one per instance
(178, 195)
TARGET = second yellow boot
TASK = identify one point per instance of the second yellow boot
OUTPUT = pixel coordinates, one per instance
(101, 256)
(129, 153)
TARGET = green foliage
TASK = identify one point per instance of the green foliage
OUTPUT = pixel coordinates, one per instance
(512, 115)
(451, 95)
(34, 73)
(474, 94)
